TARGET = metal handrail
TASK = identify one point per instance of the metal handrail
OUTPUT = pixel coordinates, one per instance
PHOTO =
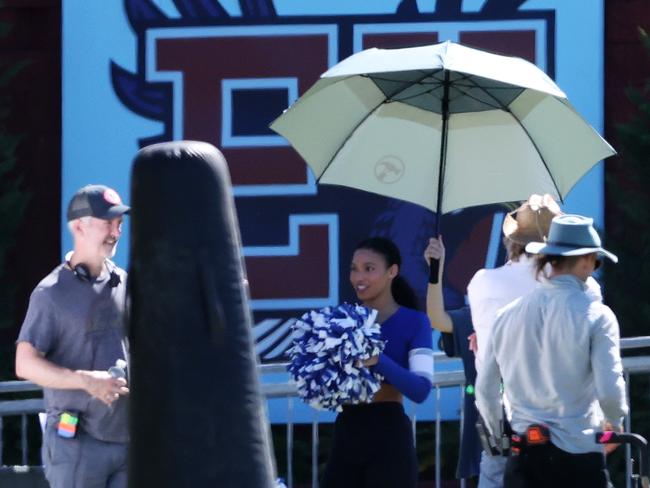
(269, 390)
(440, 358)
(635, 342)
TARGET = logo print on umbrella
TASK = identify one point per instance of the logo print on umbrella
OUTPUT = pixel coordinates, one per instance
(389, 169)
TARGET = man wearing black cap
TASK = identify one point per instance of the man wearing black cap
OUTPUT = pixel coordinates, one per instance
(72, 335)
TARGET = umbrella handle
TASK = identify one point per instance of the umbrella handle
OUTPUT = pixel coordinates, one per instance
(434, 269)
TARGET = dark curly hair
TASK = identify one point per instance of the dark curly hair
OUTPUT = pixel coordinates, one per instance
(400, 289)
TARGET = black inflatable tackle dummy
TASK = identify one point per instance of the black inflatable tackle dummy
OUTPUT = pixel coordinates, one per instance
(197, 416)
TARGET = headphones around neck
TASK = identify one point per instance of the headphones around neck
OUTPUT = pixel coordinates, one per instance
(82, 273)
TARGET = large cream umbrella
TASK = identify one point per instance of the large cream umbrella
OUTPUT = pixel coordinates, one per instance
(443, 126)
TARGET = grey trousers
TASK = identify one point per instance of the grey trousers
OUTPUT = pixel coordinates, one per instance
(83, 462)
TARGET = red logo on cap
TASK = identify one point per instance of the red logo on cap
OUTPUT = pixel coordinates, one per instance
(112, 197)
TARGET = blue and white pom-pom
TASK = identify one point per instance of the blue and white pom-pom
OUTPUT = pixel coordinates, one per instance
(328, 348)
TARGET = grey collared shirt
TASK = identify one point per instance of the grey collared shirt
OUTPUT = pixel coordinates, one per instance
(557, 352)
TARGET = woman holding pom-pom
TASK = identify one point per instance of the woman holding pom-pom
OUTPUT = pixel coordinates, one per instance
(373, 442)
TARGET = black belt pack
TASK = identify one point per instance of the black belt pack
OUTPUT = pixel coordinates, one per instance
(536, 435)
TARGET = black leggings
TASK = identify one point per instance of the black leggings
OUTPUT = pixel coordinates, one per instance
(373, 447)
(549, 466)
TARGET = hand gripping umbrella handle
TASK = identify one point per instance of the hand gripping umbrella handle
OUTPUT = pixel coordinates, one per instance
(610, 437)
(434, 268)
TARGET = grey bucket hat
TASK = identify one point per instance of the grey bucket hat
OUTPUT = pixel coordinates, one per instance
(571, 235)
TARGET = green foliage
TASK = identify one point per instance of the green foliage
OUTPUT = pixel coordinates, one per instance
(628, 232)
(628, 236)
(13, 198)
(645, 39)
(13, 202)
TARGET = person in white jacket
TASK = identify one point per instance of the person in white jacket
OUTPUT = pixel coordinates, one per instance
(491, 289)
(556, 352)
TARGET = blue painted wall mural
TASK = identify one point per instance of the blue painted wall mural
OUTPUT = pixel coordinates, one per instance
(143, 71)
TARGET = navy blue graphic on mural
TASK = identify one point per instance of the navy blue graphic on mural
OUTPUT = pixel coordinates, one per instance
(208, 75)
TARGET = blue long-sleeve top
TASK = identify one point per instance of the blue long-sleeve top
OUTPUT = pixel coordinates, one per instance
(407, 360)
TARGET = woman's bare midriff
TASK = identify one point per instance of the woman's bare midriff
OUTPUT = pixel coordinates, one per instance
(387, 393)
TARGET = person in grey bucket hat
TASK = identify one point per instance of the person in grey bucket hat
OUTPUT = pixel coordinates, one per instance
(571, 235)
(556, 351)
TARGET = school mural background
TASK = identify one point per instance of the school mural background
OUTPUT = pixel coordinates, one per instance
(142, 71)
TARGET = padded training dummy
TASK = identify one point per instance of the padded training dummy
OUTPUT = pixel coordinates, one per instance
(197, 417)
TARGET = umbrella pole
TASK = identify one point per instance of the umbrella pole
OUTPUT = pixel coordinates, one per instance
(434, 265)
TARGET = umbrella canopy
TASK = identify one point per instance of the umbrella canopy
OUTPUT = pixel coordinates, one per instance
(443, 126)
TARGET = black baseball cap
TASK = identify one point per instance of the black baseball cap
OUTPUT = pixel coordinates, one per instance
(97, 201)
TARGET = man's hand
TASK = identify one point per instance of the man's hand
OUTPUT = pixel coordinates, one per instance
(32, 366)
(473, 345)
(103, 386)
(609, 448)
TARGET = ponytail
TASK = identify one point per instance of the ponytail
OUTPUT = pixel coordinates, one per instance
(403, 294)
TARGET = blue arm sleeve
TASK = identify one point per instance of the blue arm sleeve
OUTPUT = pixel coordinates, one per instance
(415, 387)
